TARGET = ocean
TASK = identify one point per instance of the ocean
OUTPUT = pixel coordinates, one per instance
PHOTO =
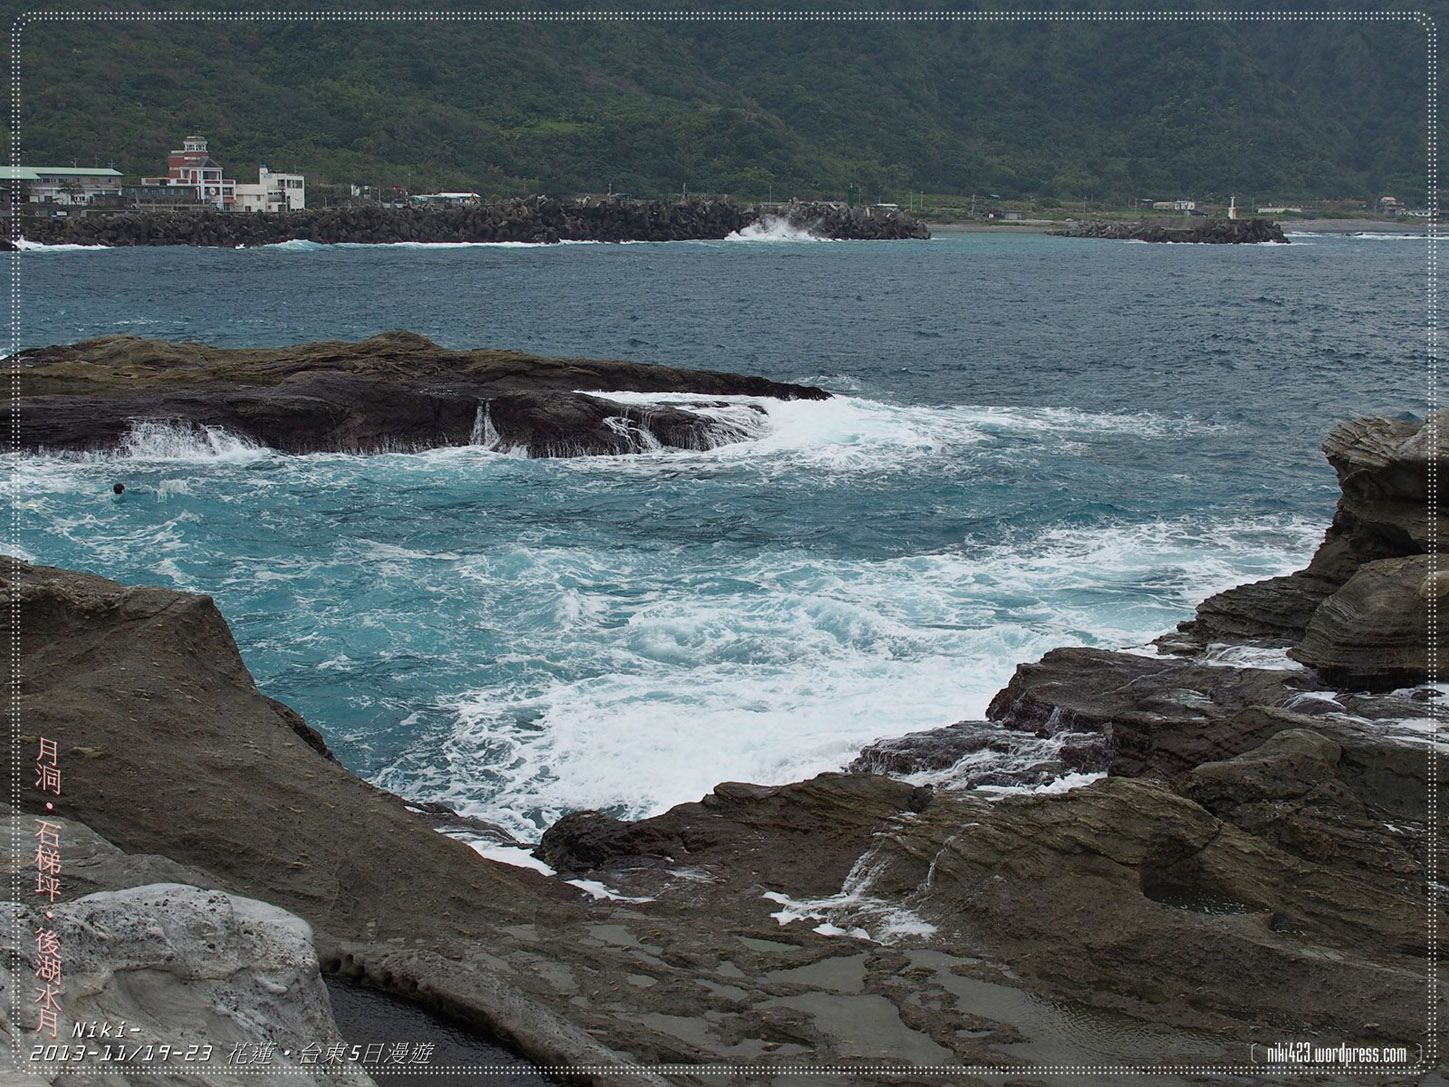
(1033, 442)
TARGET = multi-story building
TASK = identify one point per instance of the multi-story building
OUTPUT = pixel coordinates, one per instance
(193, 168)
(66, 185)
(272, 192)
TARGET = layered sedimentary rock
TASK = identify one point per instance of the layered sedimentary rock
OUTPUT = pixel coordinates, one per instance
(535, 219)
(1194, 229)
(1376, 631)
(1374, 634)
(396, 390)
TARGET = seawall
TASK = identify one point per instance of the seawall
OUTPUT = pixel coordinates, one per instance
(537, 219)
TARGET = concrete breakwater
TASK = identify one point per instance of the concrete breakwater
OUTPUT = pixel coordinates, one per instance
(1212, 231)
(535, 219)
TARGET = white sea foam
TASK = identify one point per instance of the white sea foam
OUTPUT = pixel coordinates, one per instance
(597, 890)
(27, 246)
(1250, 656)
(631, 700)
(773, 228)
(854, 911)
(295, 245)
(847, 431)
(1065, 783)
(516, 856)
(171, 439)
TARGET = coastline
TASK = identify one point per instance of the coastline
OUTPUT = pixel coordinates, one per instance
(804, 906)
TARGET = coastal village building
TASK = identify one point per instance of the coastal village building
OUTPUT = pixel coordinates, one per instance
(193, 168)
(196, 180)
(67, 185)
(272, 192)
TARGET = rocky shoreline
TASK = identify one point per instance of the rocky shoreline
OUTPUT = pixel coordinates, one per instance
(1202, 231)
(1251, 862)
(538, 220)
(395, 391)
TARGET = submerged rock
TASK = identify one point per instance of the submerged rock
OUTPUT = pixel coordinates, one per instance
(396, 390)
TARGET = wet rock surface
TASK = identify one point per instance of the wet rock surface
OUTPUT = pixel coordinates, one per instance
(535, 219)
(396, 390)
(1146, 716)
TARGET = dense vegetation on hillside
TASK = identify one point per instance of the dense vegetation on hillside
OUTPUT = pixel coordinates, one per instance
(1108, 111)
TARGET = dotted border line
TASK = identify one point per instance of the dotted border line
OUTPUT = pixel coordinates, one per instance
(1431, 424)
(720, 16)
(771, 1070)
(1429, 1058)
(12, 675)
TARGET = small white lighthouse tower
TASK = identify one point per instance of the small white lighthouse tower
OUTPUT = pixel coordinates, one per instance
(1233, 206)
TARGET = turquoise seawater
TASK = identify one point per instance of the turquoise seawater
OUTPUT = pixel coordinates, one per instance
(1035, 442)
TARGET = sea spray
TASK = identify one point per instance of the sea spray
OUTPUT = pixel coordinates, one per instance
(173, 439)
(774, 228)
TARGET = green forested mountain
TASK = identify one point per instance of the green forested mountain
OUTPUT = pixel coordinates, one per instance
(875, 109)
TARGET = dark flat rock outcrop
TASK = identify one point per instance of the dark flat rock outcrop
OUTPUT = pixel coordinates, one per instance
(1120, 898)
(396, 390)
(1194, 229)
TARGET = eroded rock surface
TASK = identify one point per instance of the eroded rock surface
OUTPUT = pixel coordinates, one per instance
(203, 978)
(1383, 468)
(1376, 630)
